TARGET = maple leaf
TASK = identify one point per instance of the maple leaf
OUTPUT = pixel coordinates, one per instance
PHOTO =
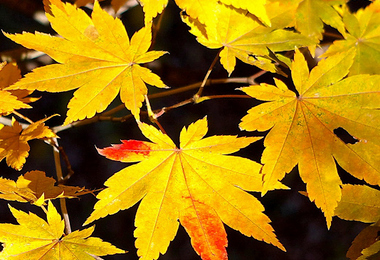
(302, 127)
(152, 8)
(10, 100)
(198, 184)
(361, 203)
(96, 56)
(282, 13)
(33, 185)
(363, 37)
(34, 238)
(241, 36)
(256, 8)
(14, 141)
(366, 238)
(371, 252)
(203, 11)
(311, 14)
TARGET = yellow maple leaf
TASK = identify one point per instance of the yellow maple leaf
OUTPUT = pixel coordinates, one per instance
(152, 8)
(199, 9)
(33, 185)
(9, 190)
(34, 238)
(363, 37)
(10, 100)
(303, 124)
(241, 36)
(198, 184)
(14, 141)
(311, 14)
(282, 13)
(256, 7)
(359, 203)
(96, 56)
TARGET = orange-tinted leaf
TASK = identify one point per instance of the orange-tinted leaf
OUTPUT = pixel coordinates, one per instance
(208, 237)
(14, 141)
(9, 190)
(33, 185)
(11, 100)
(198, 179)
(371, 252)
(365, 239)
(128, 151)
(303, 127)
(96, 56)
(34, 238)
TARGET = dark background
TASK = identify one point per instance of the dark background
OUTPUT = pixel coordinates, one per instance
(299, 225)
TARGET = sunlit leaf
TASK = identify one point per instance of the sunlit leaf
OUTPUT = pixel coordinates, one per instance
(302, 127)
(96, 56)
(14, 141)
(363, 37)
(11, 100)
(34, 238)
(33, 185)
(197, 184)
(239, 35)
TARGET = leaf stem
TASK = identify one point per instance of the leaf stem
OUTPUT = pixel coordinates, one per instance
(152, 115)
(163, 110)
(199, 93)
(106, 116)
(333, 35)
(70, 171)
(44, 209)
(225, 96)
(23, 117)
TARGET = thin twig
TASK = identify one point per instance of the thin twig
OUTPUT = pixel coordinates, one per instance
(152, 115)
(160, 112)
(105, 116)
(58, 169)
(8, 122)
(44, 209)
(225, 96)
(199, 93)
(333, 35)
(163, 110)
(70, 171)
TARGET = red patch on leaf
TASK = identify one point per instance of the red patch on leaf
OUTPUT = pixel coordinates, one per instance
(127, 148)
(206, 231)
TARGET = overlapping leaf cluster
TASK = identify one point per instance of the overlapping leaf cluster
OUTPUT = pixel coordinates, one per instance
(199, 184)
